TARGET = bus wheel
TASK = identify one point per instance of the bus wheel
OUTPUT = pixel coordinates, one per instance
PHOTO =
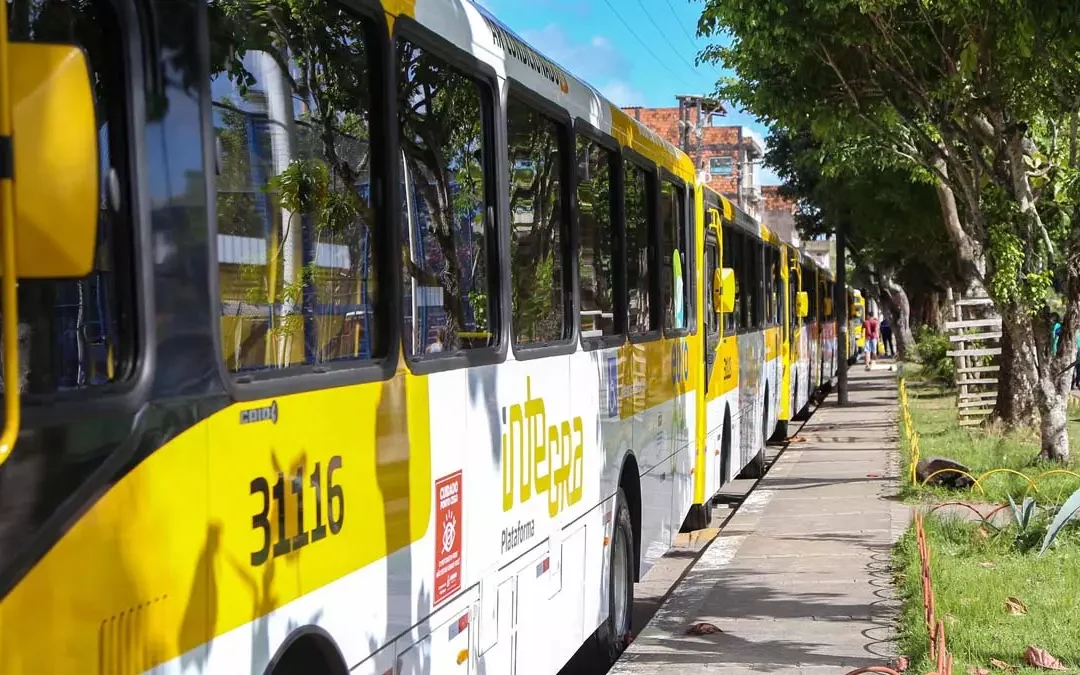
(756, 467)
(612, 637)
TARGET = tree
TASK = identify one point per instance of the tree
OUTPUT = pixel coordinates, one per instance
(890, 219)
(977, 96)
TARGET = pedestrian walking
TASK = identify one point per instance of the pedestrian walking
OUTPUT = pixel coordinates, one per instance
(1076, 371)
(886, 337)
(872, 330)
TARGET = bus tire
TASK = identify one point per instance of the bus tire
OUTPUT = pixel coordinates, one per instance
(612, 637)
(756, 467)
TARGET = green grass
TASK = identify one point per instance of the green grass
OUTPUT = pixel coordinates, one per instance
(933, 412)
(970, 597)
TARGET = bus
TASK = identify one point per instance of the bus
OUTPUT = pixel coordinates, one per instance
(358, 337)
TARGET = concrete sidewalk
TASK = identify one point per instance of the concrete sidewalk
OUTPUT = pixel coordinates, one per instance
(799, 580)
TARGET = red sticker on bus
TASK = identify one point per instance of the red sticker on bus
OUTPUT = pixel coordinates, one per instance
(447, 536)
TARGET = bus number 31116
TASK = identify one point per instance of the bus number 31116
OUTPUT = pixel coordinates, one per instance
(329, 501)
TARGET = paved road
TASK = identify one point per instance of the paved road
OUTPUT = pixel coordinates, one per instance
(798, 580)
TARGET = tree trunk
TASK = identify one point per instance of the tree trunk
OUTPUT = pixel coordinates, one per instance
(899, 307)
(1053, 397)
(1018, 376)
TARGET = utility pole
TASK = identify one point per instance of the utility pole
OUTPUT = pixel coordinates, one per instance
(840, 303)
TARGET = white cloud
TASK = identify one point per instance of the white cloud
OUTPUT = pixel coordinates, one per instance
(592, 61)
(622, 94)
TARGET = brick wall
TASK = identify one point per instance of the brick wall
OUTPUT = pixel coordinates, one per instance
(716, 141)
(664, 121)
(778, 213)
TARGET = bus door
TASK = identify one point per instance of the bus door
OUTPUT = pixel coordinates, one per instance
(712, 318)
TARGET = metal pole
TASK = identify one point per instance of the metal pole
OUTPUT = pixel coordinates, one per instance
(841, 312)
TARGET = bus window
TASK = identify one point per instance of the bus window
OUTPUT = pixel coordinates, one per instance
(638, 282)
(731, 248)
(675, 255)
(768, 284)
(690, 264)
(712, 263)
(778, 288)
(596, 253)
(750, 282)
(451, 297)
(537, 225)
(297, 242)
(77, 334)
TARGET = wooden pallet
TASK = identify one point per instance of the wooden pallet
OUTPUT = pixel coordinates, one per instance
(976, 384)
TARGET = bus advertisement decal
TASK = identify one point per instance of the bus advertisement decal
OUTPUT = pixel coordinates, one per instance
(448, 537)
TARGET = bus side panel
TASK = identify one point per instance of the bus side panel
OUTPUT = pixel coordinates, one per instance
(652, 410)
(722, 398)
(751, 395)
(773, 378)
(681, 428)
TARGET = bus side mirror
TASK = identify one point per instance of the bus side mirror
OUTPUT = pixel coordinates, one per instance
(802, 305)
(56, 172)
(724, 291)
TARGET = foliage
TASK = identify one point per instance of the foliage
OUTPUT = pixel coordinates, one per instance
(934, 415)
(974, 575)
(1065, 513)
(933, 346)
(980, 97)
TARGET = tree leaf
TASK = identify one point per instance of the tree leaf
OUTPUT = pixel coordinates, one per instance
(1014, 606)
(702, 628)
(1001, 665)
(1067, 511)
(977, 670)
(1040, 658)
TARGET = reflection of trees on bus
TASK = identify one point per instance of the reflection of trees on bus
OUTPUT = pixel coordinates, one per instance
(596, 250)
(440, 128)
(292, 115)
(537, 225)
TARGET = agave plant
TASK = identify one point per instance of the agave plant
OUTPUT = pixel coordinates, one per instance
(1023, 514)
(1067, 511)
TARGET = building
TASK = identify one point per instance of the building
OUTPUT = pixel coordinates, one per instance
(778, 214)
(728, 157)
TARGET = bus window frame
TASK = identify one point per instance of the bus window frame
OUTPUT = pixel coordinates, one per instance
(126, 395)
(688, 263)
(691, 241)
(493, 126)
(568, 244)
(731, 236)
(272, 382)
(593, 134)
(652, 226)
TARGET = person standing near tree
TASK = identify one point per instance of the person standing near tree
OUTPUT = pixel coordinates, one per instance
(886, 337)
(872, 331)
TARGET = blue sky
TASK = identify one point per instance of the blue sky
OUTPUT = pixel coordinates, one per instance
(650, 68)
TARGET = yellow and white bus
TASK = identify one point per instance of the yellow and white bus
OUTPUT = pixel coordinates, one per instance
(357, 337)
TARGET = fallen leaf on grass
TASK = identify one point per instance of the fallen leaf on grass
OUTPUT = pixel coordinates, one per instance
(1001, 665)
(983, 533)
(1014, 606)
(975, 670)
(987, 565)
(900, 665)
(702, 628)
(1040, 658)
